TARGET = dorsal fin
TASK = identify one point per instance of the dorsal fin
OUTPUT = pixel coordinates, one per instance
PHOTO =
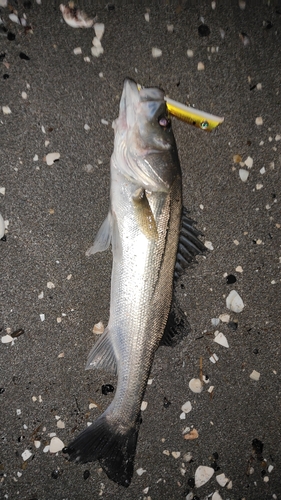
(189, 245)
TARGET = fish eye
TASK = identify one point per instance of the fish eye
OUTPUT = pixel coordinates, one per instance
(164, 122)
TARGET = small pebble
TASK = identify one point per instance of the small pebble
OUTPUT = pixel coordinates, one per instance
(262, 171)
(140, 471)
(242, 4)
(37, 444)
(98, 328)
(209, 245)
(6, 110)
(204, 30)
(87, 127)
(170, 28)
(259, 120)
(176, 454)
(26, 455)
(243, 174)
(42, 317)
(156, 52)
(200, 66)
(259, 186)
(35, 158)
(190, 53)
(249, 162)
(77, 51)
(193, 434)
(104, 122)
(255, 375)
(106, 389)
(225, 318)
(60, 424)
(86, 474)
(146, 17)
(144, 406)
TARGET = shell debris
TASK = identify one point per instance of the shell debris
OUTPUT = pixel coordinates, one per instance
(234, 302)
(56, 445)
(156, 52)
(51, 158)
(98, 328)
(221, 339)
(202, 475)
(75, 18)
(195, 385)
(193, 434)
(255, 375)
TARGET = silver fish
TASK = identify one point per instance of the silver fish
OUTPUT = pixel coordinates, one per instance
(152, 242)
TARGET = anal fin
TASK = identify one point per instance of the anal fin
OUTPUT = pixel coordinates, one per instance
(102, 354)
(176, 328)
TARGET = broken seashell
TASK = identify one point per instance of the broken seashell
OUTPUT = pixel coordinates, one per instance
(202, 475)
(234, 302)
(75, 18)
(195, 385)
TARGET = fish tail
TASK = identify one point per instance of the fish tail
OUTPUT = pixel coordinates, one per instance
(115, 449)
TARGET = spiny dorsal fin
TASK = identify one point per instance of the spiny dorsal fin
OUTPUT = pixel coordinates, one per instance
(189, 245)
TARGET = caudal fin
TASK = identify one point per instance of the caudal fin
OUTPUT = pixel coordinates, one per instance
(114, 449)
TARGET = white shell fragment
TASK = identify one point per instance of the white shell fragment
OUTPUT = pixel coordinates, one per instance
(51, 158)
(146, 17)
(249, 162)
(176, 454)
(234, 302)
(222, 479)
(37, 444)
(225, 318)
(255, 375)
(216, 496)
(2, 227)
(99, 30)
(6, 110)
(195, 385)
(6, 339)
(140, 471)
(75, 18)
(186, 408)
(214, 358)
(202, 475)
(60, 424)
(96, 51)
(209, 245)
(243, 174)
(259, 120)
(26, 455)
(77, 51)
(98, 328)
(156, 52)
(221, 339)
(56, 445)
(14, 18)
(144, 405)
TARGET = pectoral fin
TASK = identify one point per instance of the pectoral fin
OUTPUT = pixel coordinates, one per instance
(144, 215)
(103, 238)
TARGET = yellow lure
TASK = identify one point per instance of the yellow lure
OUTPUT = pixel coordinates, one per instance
(193, 116)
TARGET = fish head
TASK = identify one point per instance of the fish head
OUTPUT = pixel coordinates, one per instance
(144, 147)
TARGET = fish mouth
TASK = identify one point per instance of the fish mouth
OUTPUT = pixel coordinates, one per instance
(136, 100)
